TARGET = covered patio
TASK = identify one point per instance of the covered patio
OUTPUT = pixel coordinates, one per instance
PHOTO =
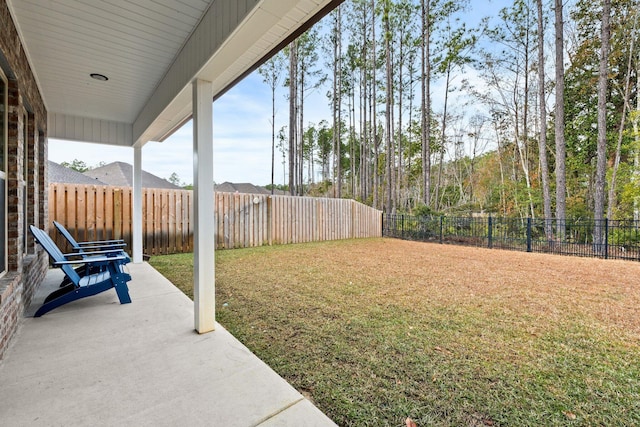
(126, 73)
(95, 362)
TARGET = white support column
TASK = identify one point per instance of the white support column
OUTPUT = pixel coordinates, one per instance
(136, 234)
(203, 208)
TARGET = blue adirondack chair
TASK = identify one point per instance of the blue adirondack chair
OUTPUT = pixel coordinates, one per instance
(83, 247)
(111, 274)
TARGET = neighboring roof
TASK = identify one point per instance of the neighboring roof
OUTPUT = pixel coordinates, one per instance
(120, 174)
(244, 187)
(61, 174)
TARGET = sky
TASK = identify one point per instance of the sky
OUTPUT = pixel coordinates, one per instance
(241, 136)
(241, 140)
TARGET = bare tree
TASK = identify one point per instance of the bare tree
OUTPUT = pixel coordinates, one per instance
(337, 101)
(601, 165)
(542, 136)
(635, 119)
(390, 205)
(454, 46)
(425, 18)
(561, 148)
(374, 110)
(310, 77)
(507, 91)
(271, 72)
(293, 114)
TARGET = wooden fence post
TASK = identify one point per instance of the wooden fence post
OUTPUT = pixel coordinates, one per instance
(270, 220)
(117, 213)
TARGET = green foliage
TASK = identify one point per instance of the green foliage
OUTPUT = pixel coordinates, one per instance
(76, 165)
(321, 189)
(175, 180)
(281, 187)
(424, 210)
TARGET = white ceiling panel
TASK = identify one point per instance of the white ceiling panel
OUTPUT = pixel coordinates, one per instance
(130, 42)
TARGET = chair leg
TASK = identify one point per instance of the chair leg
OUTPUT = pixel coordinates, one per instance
(77, 293)
(65, 288)
(120, 283)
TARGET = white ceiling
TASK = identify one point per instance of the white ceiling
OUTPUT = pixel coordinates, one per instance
(150, 50)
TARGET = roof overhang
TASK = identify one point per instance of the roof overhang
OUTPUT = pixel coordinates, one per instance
(151, 52)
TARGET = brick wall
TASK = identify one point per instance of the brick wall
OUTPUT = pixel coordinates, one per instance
(15, 293)
(27, 124)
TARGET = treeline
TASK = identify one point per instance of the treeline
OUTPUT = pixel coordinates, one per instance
(531, 111)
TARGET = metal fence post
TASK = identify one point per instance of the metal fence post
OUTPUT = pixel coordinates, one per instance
(402, 225)
(490, 233)
(441, 225)
(606, 238)
(529, 234)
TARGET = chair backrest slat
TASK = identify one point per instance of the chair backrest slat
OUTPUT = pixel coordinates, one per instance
(62, 229)
(54, 252)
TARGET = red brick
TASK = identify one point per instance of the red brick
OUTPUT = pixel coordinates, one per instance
(23, 276)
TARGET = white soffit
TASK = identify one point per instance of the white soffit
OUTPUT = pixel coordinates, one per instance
(231, 50)
(150, 50)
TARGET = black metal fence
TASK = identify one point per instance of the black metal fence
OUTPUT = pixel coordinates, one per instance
(609, 239)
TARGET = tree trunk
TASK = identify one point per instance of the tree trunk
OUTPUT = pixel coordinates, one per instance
(542, 137)
(400, 172)
(364, 128)
(352, 139)
(337, 105)
(561, 149)
(426, 102)
(301, 133)
(635, 175)
(293, 113)
(339, 58)
(273, 133)
(374, 111)
(601, 164)
(362, 107)
(503, 201)
(389, 208)
(525, 123)
(443, 137)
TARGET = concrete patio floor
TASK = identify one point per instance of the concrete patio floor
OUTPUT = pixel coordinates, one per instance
(96, 362)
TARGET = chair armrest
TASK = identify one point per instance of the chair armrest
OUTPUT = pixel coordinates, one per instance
(93, 253)
(102, 242)
(105, 260)
(107, 246)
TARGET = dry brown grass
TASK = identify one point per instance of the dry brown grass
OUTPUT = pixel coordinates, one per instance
(543, 287)
(381, 329)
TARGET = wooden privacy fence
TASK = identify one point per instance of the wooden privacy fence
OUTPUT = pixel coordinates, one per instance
(96, 212)
(246, 220)
(93, 212)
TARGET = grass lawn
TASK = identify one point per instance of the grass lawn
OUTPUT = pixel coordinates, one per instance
(374, 331)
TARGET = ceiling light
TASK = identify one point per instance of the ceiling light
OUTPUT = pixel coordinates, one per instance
(100, 77)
